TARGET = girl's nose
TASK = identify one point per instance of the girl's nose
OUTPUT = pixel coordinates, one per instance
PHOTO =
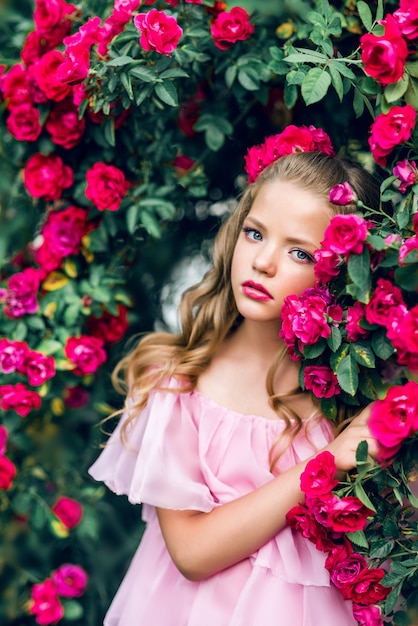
(265, 262)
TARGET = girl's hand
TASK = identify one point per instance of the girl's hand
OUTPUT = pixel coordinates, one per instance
(345, 444)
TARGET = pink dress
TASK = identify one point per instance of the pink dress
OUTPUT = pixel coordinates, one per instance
(187, 452)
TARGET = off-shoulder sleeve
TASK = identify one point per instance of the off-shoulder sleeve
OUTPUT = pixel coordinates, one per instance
(159, 465)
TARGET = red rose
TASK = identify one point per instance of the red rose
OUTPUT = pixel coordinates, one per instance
(106, 186)
(367, 615)
(348, 514)
(354, 315)
(32, 49)
(39, 368)
(86, 353)
(389, 130)
(21, 297)
(109, 327)
(301, 519)
(64, 230)
(159, 31)
(407, 18)
(47, 260)
(385, 297)
(395, 418)
(45, 604)
(19, 398)
(76, 64)
(327, 265)
(384, 56)
(408, 246)
(47, 176)
(402, 331)
(321, 380)
(318, 477)
(64, 126)
(69, 511)
(45, 72)
(367, 588)
(345, 567)
(345, 234)
(75, 397)
(24, 122)
(230, 27)
(7, 472)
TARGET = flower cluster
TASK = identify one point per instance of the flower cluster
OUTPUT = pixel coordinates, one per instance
(324, 519)
(291, 139)
(68, 581)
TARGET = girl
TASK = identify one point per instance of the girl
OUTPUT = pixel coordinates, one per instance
(217, 431)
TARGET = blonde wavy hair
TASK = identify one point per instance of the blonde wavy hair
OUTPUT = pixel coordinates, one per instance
(208, 312)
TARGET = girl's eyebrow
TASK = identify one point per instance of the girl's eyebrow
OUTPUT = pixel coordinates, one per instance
(292, 240)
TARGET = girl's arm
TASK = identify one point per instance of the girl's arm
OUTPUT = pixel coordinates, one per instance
(202, 544)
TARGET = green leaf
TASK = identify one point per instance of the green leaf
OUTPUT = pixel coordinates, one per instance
(329, 407)
(290, 95)
(363, 497)
(377, 242)
(167, 92)
(412, 68)
(407, 276)
(381, 345)
(125, 79)
(249, 79)
(315, 85)
(335, 339)
(411, 94)
(164, 208)
(119, 61)
(363, 354)
(393, 597)
(151, 224)
(144, 73)
(395, 91)
(343, 69)
(362, 453)
(20, 331)
(295, 77)
(337, 81)
(365, 14)
(358, 537)
(73, 610)
(358, 102)
(132, 217)
(230, 75)
(48, 346)
(381, 548)
(347, 374)
(316, 349)
(143, 95)
(359, 268)
(174, 72)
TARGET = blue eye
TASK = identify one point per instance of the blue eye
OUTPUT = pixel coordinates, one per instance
(303, 256)
(252, 234)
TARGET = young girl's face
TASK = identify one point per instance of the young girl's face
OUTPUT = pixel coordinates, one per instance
(274, 253)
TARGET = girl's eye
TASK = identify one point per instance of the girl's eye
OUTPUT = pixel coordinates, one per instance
(252, 234)
(301, 255)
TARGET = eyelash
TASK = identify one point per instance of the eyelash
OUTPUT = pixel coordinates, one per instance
(308, 257)
(247, 230)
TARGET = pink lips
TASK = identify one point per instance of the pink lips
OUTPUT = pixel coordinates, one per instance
(255, 291)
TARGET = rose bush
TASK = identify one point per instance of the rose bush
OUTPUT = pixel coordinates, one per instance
(122, 124)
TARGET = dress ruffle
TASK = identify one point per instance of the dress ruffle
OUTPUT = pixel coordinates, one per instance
(187, 452)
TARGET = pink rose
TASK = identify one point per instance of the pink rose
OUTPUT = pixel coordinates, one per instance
(76, 64)
(45, 604)
(69, 511)
(345, 572)
(12, 355)
(70, 580)
(50, 14)
(318, 477)
(367, 615)
(302, 520)
(24, 122)
(327, 265)
(46, 258)
(75, 397)
(17, 87)
(321, 380)
(127, 5)
(408, 246)
(395, 418)
(21, 296)
(342, 194)
(385, 297)
(402, 331)
(3, 439)
(64, 126)
(367, 589)
(390, 130)
(345, 234)
(47, 176)
(32, 49)
(7, 473)
(348, 514)
(45, 72)
(39, 368)
(159, 31)
(384, 56)
(322, 141)
(407, 18)
(229, 27)
(407, 173)
(110, 328)
(64, 230)
(106, 186)
(183, 163)
(86, 353)
(19, 398)
(354, 316)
